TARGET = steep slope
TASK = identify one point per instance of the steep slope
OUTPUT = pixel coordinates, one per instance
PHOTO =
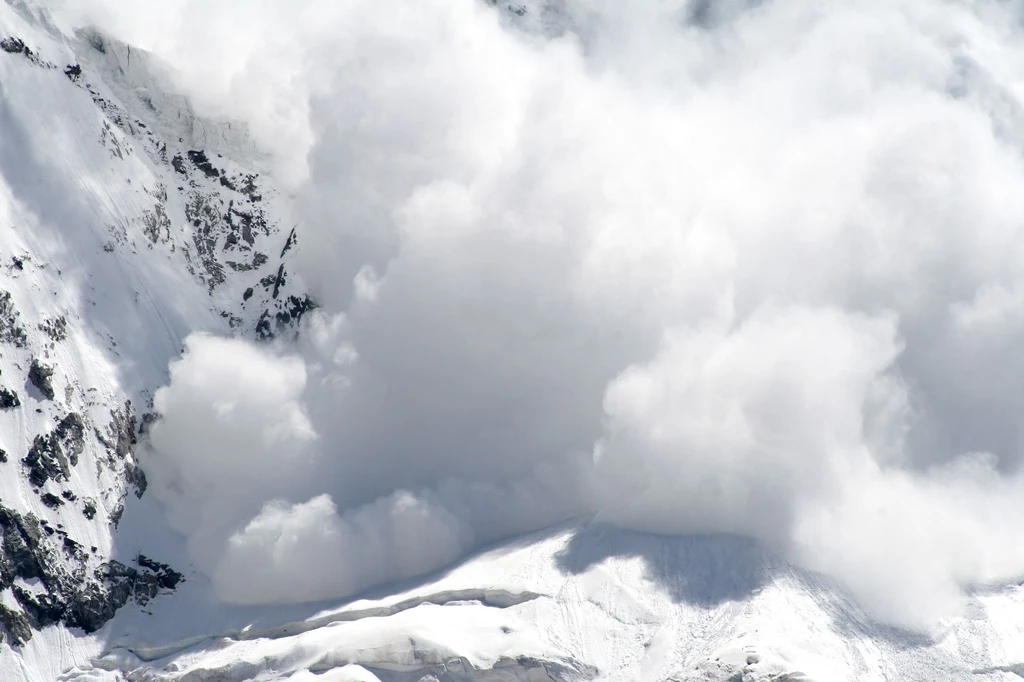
(123, 229)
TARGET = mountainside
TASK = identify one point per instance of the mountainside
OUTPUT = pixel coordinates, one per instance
(112, 195)
(127, 223)
(582, 602)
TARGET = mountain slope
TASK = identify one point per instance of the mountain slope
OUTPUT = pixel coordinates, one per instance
(579, 602)
(118, 236)
(126, 223)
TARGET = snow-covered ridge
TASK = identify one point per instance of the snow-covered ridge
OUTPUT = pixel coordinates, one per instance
(590, 602)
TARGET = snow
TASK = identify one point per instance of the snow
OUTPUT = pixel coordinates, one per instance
(581, 601)
(636, 607)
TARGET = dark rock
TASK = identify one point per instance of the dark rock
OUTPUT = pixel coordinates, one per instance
(71, 593)
(179, 164)
(73, 549)
(73, 71)
(9, 399)
(280, 281)
(148, 419)
(203, 163)
(16, 629)
(42, 610)
(249, 188)
(292, 239)
(45, 462)
(263, 329)
(52, 456)
(13, 45)
(56, 329)
(247, 295)
(204, 215)
(297, 307)
(51, 500)
(22, 540)
(120, 439)
(3, 455)
(167, 577)
(11, 330)
(89, 509)
(137, 477)
(41, 376)
(95, 606)
(70, 435)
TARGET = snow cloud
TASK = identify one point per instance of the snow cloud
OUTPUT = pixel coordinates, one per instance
(751, 267)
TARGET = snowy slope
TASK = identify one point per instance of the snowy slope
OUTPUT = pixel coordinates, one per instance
(579, 602)
(122, 229)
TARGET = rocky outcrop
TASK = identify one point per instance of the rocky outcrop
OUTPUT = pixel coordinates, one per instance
(9, 399)
(52, 455)
(41, 376)
(11, 330)
(74, 588)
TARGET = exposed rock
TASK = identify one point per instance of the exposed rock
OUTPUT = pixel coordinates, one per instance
(9, 399)
(51, 500)
(137, 477)
(41, 376)
(279, 281)
(167, 577)
(203, 163)
(13, 45)
(52, 455)
(290, 243)
(56, 329)
(41, 610)
(72, 593)
(16, 629)
(11, 330)
(120, 439)
(22, 538)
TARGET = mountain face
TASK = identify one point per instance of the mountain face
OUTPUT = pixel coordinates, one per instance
(127, 222)
(112, 193)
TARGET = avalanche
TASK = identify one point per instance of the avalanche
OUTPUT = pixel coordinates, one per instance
(132, 229)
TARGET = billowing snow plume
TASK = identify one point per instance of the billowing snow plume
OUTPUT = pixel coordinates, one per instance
(754, 267)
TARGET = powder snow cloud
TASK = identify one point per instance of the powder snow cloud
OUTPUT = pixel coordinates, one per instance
(748, 267)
